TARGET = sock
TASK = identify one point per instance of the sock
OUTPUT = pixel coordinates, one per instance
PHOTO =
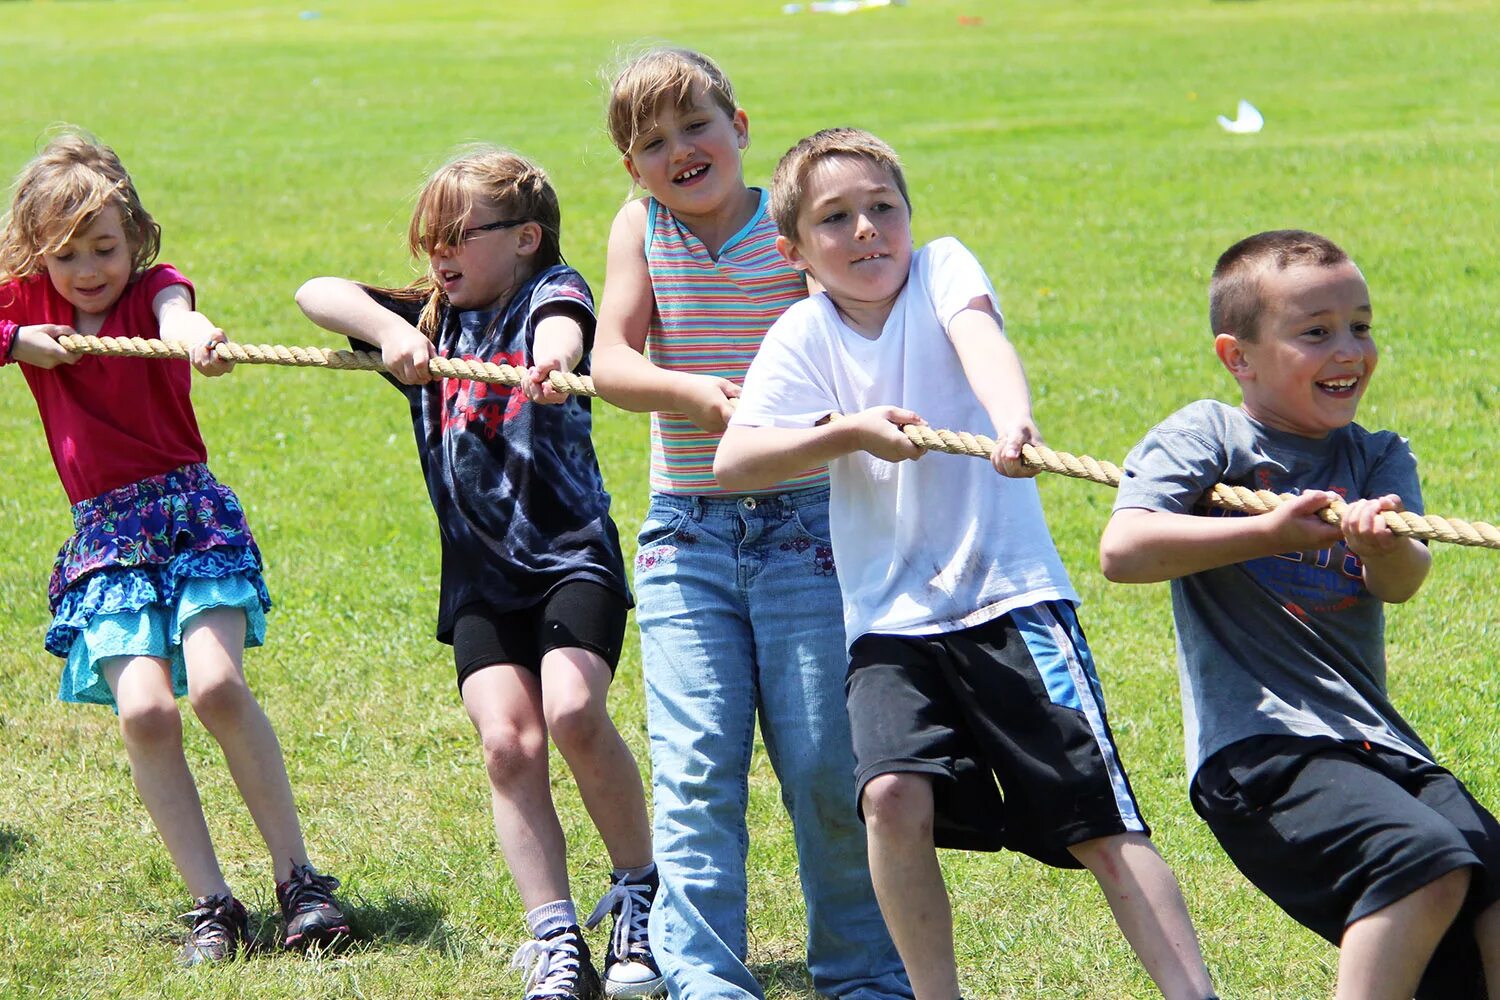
(551, 917)
(637, 875)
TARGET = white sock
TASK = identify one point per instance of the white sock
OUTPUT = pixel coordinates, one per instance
(637, 875)
(551, 917)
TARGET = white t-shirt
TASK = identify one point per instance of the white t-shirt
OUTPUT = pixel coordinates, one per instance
(922, 547)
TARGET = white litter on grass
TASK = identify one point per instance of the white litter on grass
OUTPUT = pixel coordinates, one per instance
(839, 6)
(1247, 119)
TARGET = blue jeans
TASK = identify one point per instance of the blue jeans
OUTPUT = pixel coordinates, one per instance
(740, 613)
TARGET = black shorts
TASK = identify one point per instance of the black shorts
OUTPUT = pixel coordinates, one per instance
(1009, 717)
(1333, 831)
(578, 614)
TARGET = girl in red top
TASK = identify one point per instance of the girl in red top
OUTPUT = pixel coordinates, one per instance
(159, 590)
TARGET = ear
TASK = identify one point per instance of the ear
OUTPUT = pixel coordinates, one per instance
(629, 164)
(1232, 355)
(528, 238)
(741, 123)
(789, 251)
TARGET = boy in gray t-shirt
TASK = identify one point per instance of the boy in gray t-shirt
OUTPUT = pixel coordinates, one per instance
(1318, 789)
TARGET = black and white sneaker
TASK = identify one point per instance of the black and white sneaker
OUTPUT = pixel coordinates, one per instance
(630, 970)
(558, 967)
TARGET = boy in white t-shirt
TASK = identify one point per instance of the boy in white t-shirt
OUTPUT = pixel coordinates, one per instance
(977, 716)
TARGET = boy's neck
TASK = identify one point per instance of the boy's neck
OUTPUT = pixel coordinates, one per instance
(865, 318)
(715, 228)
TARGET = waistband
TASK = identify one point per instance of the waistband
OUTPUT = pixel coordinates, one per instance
(770, 506)
(184, 479)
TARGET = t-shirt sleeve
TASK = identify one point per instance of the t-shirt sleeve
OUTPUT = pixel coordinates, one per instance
(12, 318)
(1170, 469)
(955, 278)
(164, 276)
(1394, 470)
(783, 387)
(564, 291)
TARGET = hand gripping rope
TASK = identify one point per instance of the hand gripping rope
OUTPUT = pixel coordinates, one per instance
(1431, 527)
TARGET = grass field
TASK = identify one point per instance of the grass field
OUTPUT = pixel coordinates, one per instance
(1071, 145)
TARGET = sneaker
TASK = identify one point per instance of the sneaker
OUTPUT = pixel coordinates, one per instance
(308, 908)
(219, 928)
(630, 970)
(558, 967)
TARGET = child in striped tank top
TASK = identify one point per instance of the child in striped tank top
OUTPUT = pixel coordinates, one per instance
(738, 604)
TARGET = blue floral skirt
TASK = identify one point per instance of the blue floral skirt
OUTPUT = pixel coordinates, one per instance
(143, 559)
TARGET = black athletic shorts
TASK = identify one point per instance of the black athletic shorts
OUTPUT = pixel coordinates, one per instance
(1008, 717)
(578, 614)
(1333, 831)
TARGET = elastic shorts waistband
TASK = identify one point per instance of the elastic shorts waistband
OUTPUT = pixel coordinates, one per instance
(183, 479)
(769, 505)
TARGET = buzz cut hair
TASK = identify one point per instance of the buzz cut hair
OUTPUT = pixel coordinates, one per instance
(789, 182)
(1236, 297)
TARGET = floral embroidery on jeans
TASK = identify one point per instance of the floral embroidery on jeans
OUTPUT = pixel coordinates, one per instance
(823, 560)
(658, 555)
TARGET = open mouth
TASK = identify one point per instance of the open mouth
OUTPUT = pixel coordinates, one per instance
(1345, 386)
(691, 174)
(870, 256)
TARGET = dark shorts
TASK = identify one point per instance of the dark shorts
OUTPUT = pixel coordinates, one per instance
(1008, 716)
(579, 614)
(1333, 831)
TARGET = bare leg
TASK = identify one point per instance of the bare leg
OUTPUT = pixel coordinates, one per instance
(213, 646)
(909, 883)
(1487, 932)
(575, 686)
(1382, 956)
(152, 730)
(1148, 905)
(504, 702)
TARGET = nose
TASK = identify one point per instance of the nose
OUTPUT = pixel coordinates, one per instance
(864, 227)
(1348, 347)
(680, 147)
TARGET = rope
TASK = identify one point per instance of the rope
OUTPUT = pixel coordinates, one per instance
(320, 357)
(1431, 527)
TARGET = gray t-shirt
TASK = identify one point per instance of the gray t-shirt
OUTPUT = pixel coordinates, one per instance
(1290, 644)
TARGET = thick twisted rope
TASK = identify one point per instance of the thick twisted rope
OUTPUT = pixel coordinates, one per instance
(1430, 527)
(321, 357)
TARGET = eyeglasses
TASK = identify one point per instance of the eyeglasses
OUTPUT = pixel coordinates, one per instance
(473, 231)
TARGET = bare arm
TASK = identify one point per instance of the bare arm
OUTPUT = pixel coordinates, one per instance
(1148, 546)
(341, 306)
(622, 373)
(995, 373)
(754, 458)
(557, 346)
(180, 323)
(1395, 567)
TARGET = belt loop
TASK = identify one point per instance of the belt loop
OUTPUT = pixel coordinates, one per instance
(697, 508)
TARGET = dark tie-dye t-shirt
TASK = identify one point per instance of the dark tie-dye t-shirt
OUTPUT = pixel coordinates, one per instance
(516, 486)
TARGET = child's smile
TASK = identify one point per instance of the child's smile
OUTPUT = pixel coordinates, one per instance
(93, 268)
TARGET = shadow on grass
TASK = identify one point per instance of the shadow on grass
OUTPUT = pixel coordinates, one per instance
(384, 921)
(13, 844)
(785, 977)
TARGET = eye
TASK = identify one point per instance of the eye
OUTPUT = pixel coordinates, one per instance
(63, 258)
(697, 125)
(1316, 333)
(883, 206)
(1362, 329)
(105, 251)
(651, 145)
(832, 218)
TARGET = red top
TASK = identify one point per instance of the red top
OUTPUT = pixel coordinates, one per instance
(109, 421)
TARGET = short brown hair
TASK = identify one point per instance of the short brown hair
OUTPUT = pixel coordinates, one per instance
(790, 178)
(656, 76)
(1235, 300)
(61, 192)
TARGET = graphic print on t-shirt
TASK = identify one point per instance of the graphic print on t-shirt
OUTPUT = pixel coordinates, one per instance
(1326, 580)
(468, 402)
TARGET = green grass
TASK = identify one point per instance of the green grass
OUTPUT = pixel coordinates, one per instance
(1072, 146)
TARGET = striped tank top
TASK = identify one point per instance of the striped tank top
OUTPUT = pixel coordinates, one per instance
(710, 318)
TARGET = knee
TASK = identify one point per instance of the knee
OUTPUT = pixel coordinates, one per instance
(577, 722)
(151, 722)
(511, 749)
(220, 698)
(898, 806)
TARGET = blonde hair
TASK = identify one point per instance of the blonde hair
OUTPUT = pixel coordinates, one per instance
(655, 77)
(61, 192)
(508, 181)
(788, 183)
